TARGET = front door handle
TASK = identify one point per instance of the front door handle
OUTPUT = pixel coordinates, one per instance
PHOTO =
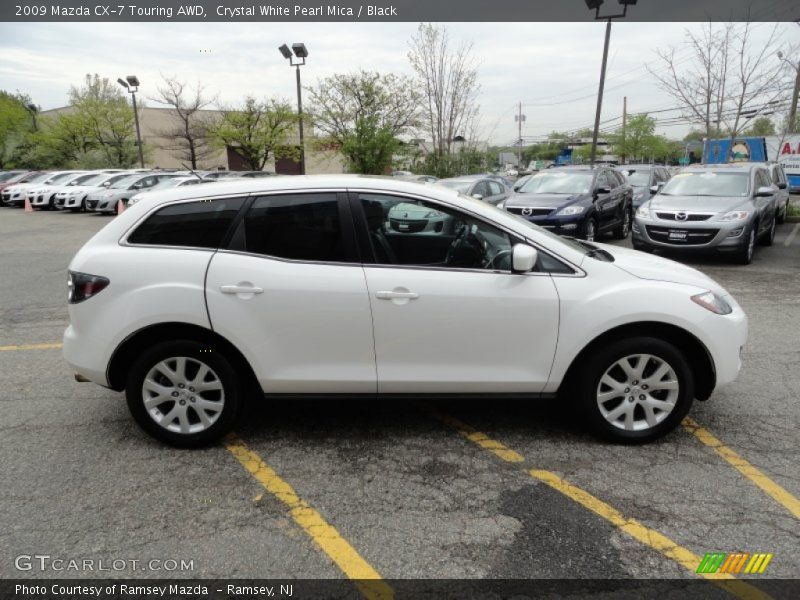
(396, 295)
(240, 289)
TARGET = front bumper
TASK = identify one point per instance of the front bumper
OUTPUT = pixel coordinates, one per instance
(566, 225)
(698, 236)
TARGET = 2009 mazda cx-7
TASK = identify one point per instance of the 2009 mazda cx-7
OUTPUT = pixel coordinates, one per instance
(195, 298)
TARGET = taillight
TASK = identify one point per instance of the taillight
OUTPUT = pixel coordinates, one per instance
(83, 286)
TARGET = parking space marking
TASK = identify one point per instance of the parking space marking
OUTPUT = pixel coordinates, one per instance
(29, 347)
(650, 537)
(366, 578)
(792, 234)
(769, 487)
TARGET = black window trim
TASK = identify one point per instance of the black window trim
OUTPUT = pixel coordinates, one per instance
(367, 254)
(123, 240)
(345, 218)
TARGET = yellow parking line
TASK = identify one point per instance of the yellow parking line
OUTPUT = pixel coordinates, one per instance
(29, 347)
(647, 536)
(768, 486)
(352, 564)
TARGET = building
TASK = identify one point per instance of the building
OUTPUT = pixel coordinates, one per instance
(154, 121)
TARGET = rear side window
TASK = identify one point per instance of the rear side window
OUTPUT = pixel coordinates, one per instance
(295, 226)
(201, 224)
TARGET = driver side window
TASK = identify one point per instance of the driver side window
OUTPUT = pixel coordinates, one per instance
(407, 231)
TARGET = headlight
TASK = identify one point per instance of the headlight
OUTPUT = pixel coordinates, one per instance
(501, 205)
(570, 210)
(710, 301)
(638, 195)
(643, 211)
(735, 215)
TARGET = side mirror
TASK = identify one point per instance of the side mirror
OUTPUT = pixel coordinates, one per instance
(523, 258)
(477, 196)
(654, 189)
(764, 192)
(782, 185)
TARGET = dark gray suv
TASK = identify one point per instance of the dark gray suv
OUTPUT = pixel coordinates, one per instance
(721, 208)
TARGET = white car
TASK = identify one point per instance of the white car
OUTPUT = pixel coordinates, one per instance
(195, 298)
(166, 184)
(73, 195)
(44, 195)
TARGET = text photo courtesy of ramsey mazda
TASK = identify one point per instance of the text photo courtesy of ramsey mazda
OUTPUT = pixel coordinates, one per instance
(400, 300)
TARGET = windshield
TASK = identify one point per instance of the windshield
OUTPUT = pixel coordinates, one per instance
(559, 182)
(9, 175)
(462, 187)
(59, 178)
(638, 178)
(38, 178)
(125, 181)
(168, 183)
(85, 179)
(708, 183)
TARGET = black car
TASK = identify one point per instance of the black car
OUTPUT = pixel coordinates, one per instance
(579, 201)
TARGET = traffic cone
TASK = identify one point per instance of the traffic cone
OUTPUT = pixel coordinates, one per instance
(120, 207)
(28, 207)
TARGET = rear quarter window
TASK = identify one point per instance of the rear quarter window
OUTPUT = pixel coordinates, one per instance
(200, 224)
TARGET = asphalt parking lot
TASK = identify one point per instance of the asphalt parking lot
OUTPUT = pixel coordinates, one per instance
(365, 489)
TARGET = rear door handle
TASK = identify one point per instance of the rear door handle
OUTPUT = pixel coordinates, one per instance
(396, 295)
(240, 289)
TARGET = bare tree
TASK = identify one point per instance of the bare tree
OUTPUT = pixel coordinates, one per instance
(187, 137)
(448, 79)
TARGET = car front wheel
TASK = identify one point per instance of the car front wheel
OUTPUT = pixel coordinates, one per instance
(635, 390)
(589, 230)
(624, 228)
(183, 393)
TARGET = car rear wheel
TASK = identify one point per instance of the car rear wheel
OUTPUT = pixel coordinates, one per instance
(184, 393)
(635, 390)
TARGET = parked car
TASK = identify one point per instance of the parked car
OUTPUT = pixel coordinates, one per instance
(419, 178)
(15, 177)
(197, 297)
(106, 200)
(585, 202)
(645, 180)
(482, 188)
(14, 194)
(719, 208)
(255, 174)
(780, 181)
(167, 183)
(44, 196)
(73, 195)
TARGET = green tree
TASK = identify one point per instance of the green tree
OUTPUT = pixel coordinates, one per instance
(637, 139)
(257, 130)
(362, 114)
(760, 127)
(15, 124)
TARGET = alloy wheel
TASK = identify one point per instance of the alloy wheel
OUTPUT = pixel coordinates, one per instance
(183, 395)
(638, 392)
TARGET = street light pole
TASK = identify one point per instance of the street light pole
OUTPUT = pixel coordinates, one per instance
(595, 6)
(132, 85)
(792, 125)
(300, 51)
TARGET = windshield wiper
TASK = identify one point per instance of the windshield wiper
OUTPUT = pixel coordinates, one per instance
(593, 251)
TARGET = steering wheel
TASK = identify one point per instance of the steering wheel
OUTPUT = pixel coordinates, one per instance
(493, 262)
(467, 250)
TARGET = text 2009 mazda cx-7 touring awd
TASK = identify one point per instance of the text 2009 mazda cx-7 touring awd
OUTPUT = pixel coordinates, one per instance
(195, 298)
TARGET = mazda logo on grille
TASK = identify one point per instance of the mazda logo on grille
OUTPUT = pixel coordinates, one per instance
(527, 212)
(681, 216)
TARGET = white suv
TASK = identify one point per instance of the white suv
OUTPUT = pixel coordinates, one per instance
(196, 298)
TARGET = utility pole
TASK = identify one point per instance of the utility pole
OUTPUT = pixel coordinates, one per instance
(795, 97)
(519, 118)
(624, 130)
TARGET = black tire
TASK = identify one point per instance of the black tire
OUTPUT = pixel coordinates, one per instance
(589, 229)
(195, 352)
(769, 236)
(744, 254)
(596, 365)
(623, 230)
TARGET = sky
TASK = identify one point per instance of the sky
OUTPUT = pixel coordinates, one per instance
(552, 68)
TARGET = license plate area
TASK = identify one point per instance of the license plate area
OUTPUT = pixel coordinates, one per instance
(678, 235)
